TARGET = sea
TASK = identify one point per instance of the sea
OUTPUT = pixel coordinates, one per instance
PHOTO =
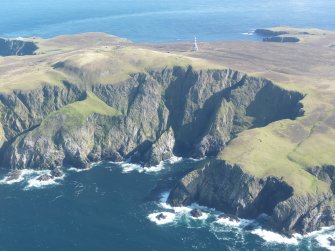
(113, 206)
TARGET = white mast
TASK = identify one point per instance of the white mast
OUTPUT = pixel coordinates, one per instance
(195, 47)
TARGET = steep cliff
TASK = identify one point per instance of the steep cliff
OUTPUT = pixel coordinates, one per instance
(93, 97)
(230, 189)
(147, 118)
(9, 47)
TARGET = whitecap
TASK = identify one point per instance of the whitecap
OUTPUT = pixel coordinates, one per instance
(94, 164)
(184, 210)
(273, 237)
(248, 33)
(161, 165)
(8, 181)
(163, 204)
(34, 181)
(196, 160)
(23, 174)
(130, 167)
(228, 222)
(174, 160)
(78, 170)
(324, 242)
(168, 218)
(156, 168)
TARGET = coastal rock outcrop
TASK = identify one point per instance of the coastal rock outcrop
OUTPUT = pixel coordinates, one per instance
(147, 118)
(234, 191)
(276, 36)
(13, 47)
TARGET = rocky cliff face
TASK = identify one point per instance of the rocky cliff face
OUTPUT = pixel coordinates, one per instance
(155, 115)
(230, 189)
(160, 113)
(10, 47)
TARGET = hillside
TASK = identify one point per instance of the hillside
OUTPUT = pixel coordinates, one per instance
(265, 110)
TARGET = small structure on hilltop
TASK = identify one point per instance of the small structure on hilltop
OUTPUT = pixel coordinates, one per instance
(195, 46)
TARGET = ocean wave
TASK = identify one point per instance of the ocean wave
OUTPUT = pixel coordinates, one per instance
(79, 170)
(174, 160)
(228, 222)
(36, 183)
(153, 169)
(223, 226)
(32, 179)
(269, 236)
(181, 214)
(326, 241)
(196, 160)
(162, 218)
(7, 180)
(128, 167)
(248, 33)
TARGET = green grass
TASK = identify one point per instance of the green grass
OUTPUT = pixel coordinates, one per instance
(85, 67)
(267, 151)
(73, 116)
(117, 64)
(283, 149)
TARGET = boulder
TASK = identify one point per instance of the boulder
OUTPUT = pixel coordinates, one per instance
(196, 213)
(44, 177)
(331, 241)
(161, 216)
(56, 173)
(14, 175)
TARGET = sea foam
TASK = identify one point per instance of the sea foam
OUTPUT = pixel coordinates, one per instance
(269, 236)
(168, 218)
(29, 177)
(324, 242)
(128, 167)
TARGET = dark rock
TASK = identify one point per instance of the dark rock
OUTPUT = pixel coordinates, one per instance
(269, 33)
(227, 188)
(188, 113)
(14, 175)
(175, 110)
(111, 155)
(331, 241)
(196, 213)
(10, 47)
(281, 39)
(161, 150)
(44, 177)
(250, 227)
(56, 173)
(94, 157)
(161, 216)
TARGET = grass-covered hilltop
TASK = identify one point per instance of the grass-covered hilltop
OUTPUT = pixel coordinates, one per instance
(264, 110)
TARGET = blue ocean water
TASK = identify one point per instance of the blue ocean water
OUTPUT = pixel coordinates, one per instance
(160, 20)
(112, 207)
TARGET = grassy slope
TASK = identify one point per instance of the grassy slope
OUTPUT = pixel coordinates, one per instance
(283, 149)
(74, 116)
(103, 65)
(115, 64)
